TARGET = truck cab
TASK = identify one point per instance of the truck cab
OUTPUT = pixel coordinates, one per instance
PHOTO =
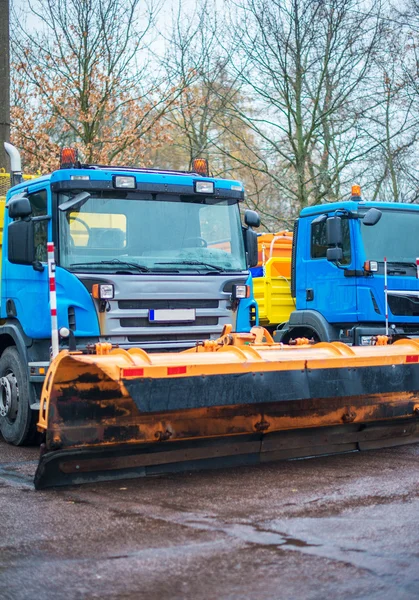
(353, 263)
(142, 258)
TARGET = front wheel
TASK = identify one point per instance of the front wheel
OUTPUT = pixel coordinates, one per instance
(17, 419)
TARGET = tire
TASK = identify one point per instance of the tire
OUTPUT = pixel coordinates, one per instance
(17, 419)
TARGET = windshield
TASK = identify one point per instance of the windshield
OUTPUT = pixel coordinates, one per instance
(141, 233)
(395, 237)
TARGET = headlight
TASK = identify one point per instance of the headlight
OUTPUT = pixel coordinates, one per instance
(240, 291)
(371, 266)
(103, 291)
(367, 340)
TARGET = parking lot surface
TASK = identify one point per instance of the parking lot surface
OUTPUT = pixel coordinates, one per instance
(342, 527)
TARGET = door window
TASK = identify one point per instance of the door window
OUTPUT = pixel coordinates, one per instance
(319, 241)
(38, 202)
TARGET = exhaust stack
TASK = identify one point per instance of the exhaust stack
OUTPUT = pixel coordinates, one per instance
(15, 164)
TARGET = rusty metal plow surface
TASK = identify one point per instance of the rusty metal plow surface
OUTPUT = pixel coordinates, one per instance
(121, 414)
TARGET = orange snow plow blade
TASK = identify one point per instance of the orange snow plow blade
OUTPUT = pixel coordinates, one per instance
(241, 399)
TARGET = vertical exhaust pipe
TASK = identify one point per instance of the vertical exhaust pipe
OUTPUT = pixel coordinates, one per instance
(15, 164)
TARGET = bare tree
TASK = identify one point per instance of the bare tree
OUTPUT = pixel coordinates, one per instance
(204, 121)
(195, 58)
(392, 129)
(400, 179)
(83, 76)
(4, 80)
(306, 66)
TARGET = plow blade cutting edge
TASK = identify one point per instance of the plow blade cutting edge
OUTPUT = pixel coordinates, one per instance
(239, 400)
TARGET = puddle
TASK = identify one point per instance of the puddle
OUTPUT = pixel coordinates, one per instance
(21, 473)
(298, 543)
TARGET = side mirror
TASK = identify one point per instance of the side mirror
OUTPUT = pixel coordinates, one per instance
(334, 239)
(19, 207)
(372, 216)
(21, 246)
(334, 231)
(251, 244)
(251, 218)
(334, 254)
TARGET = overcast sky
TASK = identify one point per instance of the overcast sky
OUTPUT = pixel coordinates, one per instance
(165, 14)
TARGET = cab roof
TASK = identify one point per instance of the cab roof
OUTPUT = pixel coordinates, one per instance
(147, 178)
(353, 206)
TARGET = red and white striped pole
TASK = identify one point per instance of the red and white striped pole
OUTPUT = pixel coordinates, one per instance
(417, 268)
(53, 299)
(385, 293)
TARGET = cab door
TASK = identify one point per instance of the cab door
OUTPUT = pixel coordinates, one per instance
(25, 293)
(330, 288)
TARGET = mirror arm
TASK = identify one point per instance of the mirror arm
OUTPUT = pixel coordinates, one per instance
(38, 266)
(41, 218)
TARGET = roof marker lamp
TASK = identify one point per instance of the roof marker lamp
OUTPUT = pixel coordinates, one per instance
(103, 291)
(124, 182)
(356, 193)
(68, 158)
(200, 166)
(204, 187)
(79, 177)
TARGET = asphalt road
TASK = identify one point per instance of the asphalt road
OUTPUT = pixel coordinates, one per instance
(334, 527)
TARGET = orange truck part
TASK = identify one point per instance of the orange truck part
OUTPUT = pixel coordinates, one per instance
(271, 245)
(240, 399)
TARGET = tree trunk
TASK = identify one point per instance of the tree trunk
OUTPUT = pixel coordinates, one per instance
(4, 81)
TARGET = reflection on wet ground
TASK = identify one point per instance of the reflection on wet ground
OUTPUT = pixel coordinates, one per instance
(340, 526)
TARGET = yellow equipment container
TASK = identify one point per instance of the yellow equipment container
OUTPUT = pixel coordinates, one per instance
(113, 413)
(272, 290)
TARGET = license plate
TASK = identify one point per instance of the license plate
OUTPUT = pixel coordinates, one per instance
(171, 315)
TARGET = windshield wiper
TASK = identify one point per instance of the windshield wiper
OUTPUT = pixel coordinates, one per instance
(193, 262)
(115, 262)
(406, 263)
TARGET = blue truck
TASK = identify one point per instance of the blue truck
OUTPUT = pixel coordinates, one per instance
(337, 272)
(143, 258)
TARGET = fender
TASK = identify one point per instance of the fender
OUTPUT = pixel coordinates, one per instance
(21, 341)
(310, 319)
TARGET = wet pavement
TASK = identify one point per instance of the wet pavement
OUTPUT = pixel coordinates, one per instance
(342, 527)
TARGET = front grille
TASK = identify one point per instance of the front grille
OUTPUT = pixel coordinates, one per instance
(404, 306)
(180, 337)
(144, 322)
(166, 304)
